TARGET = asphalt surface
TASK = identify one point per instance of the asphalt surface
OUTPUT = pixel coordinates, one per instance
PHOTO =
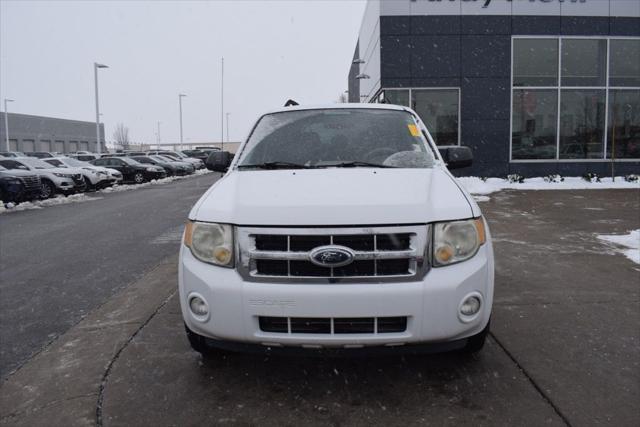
(564, 347)
(59, 263)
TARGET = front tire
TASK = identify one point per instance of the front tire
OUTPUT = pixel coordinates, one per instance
(48, 190)
(138, 178)
(199, 344)
(476, 342)
(88, 185)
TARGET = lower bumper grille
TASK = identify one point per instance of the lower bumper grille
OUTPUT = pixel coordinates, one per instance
(333, 326)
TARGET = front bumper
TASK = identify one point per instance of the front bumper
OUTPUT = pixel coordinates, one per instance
(431, 305)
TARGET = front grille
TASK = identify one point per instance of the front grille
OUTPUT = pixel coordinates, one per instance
(333, 326)
(378, 252)
(31, 182)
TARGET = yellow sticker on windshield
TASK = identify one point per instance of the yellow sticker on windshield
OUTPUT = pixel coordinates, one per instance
(414, 130)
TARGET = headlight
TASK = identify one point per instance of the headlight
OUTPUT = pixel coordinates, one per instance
(212, 243)
(61, 175)
(457, 241)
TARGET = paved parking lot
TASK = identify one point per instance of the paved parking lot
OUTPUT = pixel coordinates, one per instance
(564, 348)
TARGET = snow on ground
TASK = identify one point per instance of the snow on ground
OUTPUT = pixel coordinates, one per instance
(84, 197)
(39, 204)
(631, 243)
(475, 185)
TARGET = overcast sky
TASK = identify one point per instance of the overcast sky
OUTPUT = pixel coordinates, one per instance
(273, 50)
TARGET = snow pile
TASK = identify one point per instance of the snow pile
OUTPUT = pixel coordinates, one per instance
(39, 204)
(631, 243)
(475, 185)
(127, 187)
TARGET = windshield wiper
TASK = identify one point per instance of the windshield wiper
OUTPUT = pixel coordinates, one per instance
(353, 164)
(275, 165)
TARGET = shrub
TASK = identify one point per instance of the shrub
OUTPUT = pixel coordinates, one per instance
(515, 178)
(632, 178)
(554, 178)
(591, 177)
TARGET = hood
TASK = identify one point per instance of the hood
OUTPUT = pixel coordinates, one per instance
(315, 197)
(18, 173)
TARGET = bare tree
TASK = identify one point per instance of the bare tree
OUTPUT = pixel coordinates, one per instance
(121, 136)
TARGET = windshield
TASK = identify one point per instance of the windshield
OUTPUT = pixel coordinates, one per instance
(129, 161)
(161, 159)
(76, 163)
(33, 162)
(337, 137)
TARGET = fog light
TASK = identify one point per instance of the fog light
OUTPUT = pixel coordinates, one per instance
(470, 306)
(198, 306)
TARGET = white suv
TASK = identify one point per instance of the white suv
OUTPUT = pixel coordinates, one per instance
(337, 228)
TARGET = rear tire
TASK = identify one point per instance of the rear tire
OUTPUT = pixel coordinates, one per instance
(476, 342)
(138, 178)
(48, 189)
(88, 185)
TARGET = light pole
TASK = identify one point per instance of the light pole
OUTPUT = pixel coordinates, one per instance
(228, 126)
(158, 135)
(95, 74)
(180, 96)
(6, 122)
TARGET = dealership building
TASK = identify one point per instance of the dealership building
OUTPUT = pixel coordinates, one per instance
(29, 133)
(534, 87)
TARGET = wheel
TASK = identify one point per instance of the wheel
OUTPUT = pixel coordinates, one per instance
(47, 190)
(138, 178)
(476, 342)
(198, 342)
(89, 185)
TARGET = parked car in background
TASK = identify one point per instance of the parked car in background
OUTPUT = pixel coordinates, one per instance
(130, 169)
(196, 154)
(197, 163)
(93, 176)
(135, 153)
(11, 154)
(186, 165)
(84, 157)
(19, 185)
(54, 180)
(41, 154)
(172, 168)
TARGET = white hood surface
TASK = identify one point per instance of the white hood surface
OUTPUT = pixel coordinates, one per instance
(317, 197)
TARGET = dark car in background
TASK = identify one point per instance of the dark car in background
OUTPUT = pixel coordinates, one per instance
(130, 169)
(196, 154)
(41, 154)
(172, 168)
(19, 185)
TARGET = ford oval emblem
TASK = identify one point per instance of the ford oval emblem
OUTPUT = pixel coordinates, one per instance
(331, 256)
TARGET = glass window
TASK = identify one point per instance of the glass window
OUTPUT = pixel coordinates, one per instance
(624, 63)
(584, 62)
(534, 117)
(582, 124)
(438, 109)
(397, 97)
(535, 62)
(334, 137)
(624, 124)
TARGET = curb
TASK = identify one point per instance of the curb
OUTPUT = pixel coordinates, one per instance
(61, 385)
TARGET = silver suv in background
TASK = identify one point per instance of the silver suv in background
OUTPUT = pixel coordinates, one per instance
(94, 176)
(54, 180)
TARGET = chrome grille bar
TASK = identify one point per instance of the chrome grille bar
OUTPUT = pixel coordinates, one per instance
(375, 264)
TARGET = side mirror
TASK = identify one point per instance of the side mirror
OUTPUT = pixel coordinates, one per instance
(456, 156)
(219, 161)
